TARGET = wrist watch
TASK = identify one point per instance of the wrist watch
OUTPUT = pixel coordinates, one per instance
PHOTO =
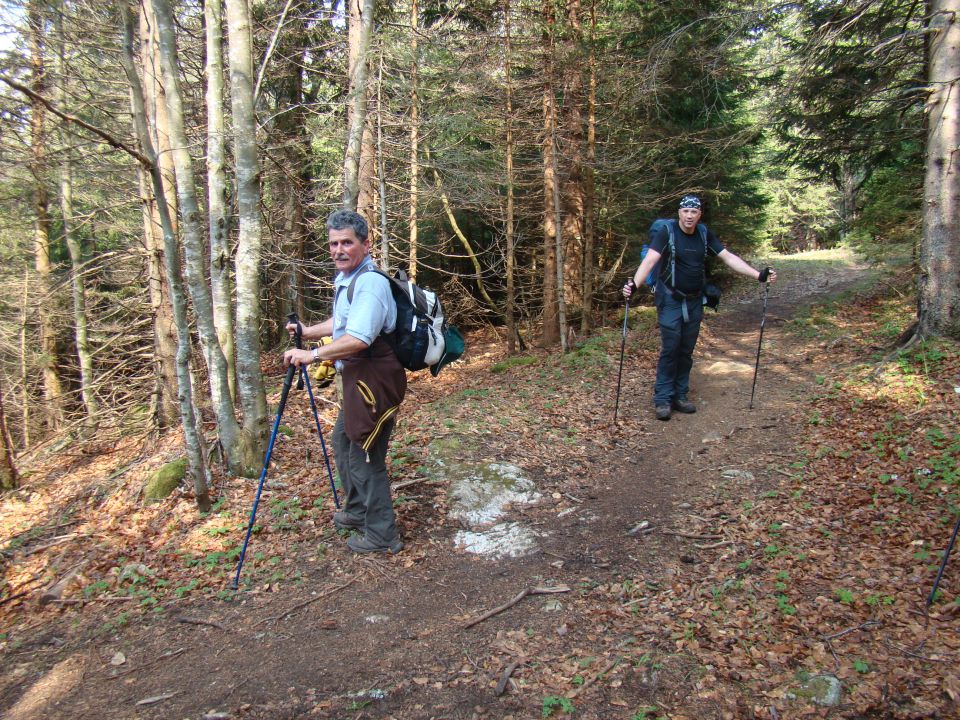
(316, 353)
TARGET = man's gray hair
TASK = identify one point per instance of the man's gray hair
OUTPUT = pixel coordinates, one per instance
(348, 220)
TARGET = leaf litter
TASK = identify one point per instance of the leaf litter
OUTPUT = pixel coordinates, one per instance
(826, 530)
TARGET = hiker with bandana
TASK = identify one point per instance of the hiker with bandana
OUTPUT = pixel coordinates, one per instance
(678, 296)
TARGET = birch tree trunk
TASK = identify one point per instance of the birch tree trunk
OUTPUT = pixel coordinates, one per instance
(193, 439)
(939, 291)
(240, 451)
(81, 336)
(217, 217)
(52, 390)
(164, 327)
(249, 378)
(361, 22)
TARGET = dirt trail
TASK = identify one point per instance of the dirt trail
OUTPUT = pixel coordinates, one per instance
(385, 637)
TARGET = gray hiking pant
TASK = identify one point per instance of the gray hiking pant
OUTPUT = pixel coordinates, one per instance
(366, 486)
(678, 338)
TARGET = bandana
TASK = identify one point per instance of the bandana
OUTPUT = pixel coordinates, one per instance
(690, 201)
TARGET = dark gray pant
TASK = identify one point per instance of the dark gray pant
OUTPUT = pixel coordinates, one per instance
(678, 338)
(366, 486)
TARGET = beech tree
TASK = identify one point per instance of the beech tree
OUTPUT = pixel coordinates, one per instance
(939, 296)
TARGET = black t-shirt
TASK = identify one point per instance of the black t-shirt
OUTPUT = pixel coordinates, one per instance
(690, 255)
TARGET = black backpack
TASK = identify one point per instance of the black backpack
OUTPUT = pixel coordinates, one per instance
(420, 339)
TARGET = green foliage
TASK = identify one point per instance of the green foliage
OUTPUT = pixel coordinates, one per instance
(845, 596)
(554, 703)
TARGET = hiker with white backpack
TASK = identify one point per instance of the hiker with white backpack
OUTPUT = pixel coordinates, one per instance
(371, 383)
(679, 284)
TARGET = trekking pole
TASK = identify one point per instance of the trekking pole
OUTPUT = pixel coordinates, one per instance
(623, 345)
(943, 563)
(763, 320)
(305, 378)
(287, 382)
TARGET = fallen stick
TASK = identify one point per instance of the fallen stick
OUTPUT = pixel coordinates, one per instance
(100, 598)
(50, 543)
(165, 656)
(714, 546)
(302, 605)
(158, 698)
(520, 596)
(414, 481)
(197, 621)
(691, 536)
(505, 678)
(607, 668)
(55, 591)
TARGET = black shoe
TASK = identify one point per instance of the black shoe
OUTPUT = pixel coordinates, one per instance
(346, 521)
(684, 406)
(663, 412)
(362, 545)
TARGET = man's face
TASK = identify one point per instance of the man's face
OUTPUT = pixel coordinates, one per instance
(347, 250)
(689, 217)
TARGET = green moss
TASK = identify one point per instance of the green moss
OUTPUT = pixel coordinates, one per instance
(512, 362)
(165, 480)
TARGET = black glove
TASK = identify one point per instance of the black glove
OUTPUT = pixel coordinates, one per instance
(764, 274)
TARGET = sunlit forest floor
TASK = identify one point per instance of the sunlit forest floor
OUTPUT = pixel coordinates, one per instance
(726, 564)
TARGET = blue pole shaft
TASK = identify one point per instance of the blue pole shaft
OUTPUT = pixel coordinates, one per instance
(763, 320)
(287, 382)
(316, 417)
(623, 345)
(943, 564)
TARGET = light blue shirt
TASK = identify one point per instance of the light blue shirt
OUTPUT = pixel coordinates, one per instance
(372, 311)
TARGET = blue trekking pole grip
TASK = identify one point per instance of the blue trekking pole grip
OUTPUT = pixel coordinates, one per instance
(302, 379)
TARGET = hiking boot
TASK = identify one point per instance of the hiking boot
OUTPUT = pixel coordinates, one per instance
(663, 412)
(683, 405)
(362, 545)
(346, 521)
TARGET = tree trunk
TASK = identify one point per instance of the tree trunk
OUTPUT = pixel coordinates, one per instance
(589, 185)
(52, 390)
(164, 327)
(9, 479)
(193, 439)
(939, 291)
(361, 22)
(382, 174)
(560, 265)
(217, 216)
(78, 286)
(508, 222)
(570, 132)
(249, 378)
(239, 451)
(414, 142)
(551, 323)
(24, 368)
